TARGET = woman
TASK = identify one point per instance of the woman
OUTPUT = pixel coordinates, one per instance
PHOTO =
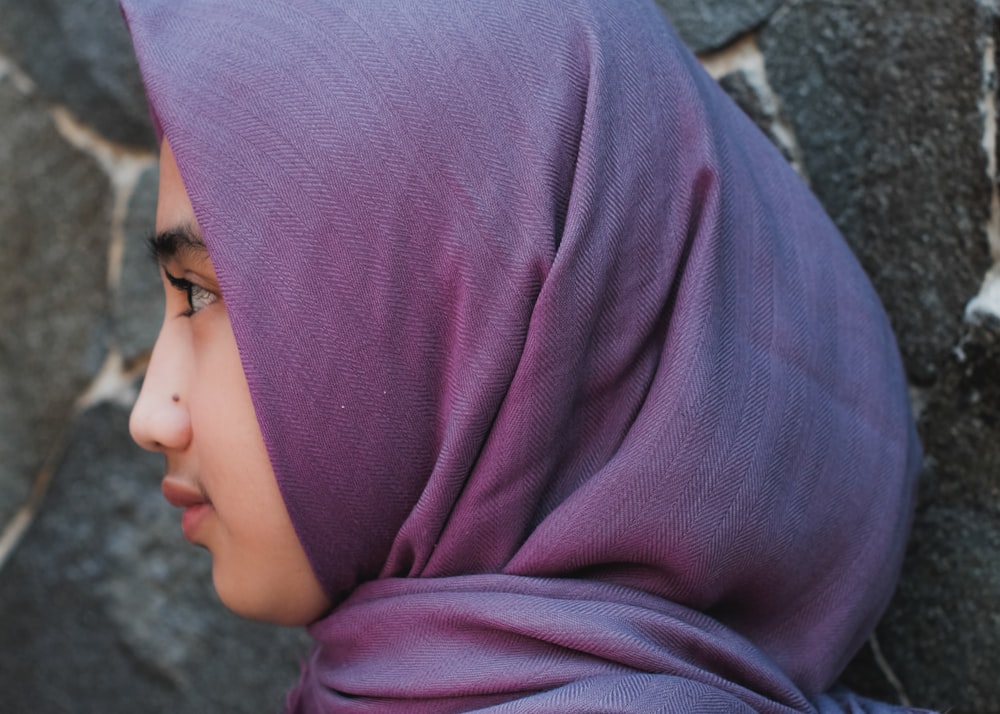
(503, 351)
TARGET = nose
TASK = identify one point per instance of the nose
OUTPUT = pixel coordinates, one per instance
(160, 419)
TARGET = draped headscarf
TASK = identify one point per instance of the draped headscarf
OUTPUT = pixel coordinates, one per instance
(575, 397)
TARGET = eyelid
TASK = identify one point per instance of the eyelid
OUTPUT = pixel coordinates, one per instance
(179, 283)
(188, 288)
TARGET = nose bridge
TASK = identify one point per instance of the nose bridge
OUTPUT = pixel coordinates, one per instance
(160, 420)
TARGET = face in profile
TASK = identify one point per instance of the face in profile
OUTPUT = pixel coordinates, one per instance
(195, 409)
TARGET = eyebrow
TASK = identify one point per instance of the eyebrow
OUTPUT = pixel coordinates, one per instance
(179, 240)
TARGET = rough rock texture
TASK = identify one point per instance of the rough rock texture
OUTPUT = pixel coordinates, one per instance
(942, 634)
(54, 209)
(79, 54)
(707, 24)
(884, 99)
(106, 608)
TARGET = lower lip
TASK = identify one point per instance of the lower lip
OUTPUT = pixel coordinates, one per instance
(192, 519)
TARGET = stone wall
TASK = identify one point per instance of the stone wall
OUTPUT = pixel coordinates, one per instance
(886, 107)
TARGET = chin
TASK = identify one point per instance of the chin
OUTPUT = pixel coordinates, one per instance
(262, 602)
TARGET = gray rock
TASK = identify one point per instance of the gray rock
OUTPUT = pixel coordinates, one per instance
(55, 207)
(138, 300)
(883, 98)
(79, 54)
(941, 634)
(943, 631)
(106, 608)
(865, 675)
(710, 24)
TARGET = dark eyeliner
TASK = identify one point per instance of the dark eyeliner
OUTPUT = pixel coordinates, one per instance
(184, 286)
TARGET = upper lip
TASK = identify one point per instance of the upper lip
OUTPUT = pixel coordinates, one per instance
(182, 493)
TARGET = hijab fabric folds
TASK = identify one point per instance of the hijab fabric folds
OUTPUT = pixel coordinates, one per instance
(576, 398)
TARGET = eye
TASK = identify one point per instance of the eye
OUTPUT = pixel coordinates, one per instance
(198, 297)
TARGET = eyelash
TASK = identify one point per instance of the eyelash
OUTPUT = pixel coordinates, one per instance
(198, 298)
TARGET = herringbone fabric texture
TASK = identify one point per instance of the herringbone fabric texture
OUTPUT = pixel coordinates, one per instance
(576, 398)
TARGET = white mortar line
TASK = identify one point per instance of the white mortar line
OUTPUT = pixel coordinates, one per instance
(988, 109)
(919, 397)
(22, 82)
(123, 167)
(890, 675)
(16, 527)
(744, 56)
(740, 56)
(987, 303)
(14, 531)
(114, 383)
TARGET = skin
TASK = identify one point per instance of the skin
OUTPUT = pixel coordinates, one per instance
(195, 409)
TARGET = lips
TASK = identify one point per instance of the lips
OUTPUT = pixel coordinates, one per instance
(181, 493)
(184, 494)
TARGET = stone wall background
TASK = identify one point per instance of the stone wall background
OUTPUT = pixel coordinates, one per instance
(886, 107)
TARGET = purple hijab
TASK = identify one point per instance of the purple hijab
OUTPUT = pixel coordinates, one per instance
(576, 398)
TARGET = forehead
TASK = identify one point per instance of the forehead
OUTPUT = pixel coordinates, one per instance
(177, 233)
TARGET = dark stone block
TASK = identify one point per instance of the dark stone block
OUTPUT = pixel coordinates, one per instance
(710, 24)
(864, 674)
(138, 300)
(883, 98)
(960, 428)
(106, 608)
(79, 54)
(55, 206)
(941, 633)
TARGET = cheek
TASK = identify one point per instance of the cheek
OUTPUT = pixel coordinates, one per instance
(222, 411)
(259, 567)
(235, 466)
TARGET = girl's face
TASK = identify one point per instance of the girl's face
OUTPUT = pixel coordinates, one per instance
(195, 409)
